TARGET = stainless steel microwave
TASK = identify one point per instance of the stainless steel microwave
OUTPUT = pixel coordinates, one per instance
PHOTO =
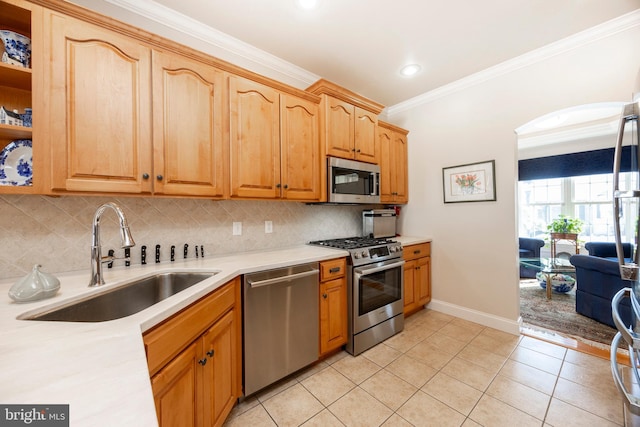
(350, 181)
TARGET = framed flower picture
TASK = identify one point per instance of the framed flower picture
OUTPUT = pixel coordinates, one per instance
(474, 182)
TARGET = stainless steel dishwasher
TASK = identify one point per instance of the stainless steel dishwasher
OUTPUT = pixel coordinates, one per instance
(280, 323)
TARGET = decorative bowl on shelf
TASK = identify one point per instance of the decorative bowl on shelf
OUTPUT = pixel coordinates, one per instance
(17, 48)
(560, 283)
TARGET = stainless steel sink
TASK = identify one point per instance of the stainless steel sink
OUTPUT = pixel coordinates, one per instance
(125, 300)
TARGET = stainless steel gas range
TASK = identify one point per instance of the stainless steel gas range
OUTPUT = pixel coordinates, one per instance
(375, 280)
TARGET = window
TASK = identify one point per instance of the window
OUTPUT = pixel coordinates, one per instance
(586, 197)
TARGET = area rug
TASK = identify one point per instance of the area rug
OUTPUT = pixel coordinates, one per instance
(559, 314)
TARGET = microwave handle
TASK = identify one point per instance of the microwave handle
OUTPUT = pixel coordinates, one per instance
(374, 184)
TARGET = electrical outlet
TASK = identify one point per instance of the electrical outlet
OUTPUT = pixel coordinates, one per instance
(237, 229)
(268, 227)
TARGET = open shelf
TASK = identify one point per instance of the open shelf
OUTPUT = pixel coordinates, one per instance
(14, 132)
(15, 76)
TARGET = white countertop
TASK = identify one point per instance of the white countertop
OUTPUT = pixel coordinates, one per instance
(100, 369)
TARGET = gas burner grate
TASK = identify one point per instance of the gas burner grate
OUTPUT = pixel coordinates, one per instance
(352, 242)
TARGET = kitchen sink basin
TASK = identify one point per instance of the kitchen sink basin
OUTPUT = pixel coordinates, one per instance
(123, 301)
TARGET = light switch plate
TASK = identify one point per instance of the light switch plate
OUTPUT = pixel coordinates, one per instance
(237, 228)
(268, 227)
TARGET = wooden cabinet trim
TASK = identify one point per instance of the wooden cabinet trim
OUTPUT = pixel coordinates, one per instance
(325, 87)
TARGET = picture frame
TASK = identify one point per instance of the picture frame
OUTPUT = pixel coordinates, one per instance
(473, 182)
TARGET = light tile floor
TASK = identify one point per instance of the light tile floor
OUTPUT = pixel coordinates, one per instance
(443, 371)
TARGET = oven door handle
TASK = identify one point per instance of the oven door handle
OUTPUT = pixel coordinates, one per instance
(371, 270)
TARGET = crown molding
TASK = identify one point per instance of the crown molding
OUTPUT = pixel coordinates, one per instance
(601, 31)
(163, 15)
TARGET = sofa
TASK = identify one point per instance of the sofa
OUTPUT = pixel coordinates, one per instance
(597, 281)
(529, 248)
(608, 250)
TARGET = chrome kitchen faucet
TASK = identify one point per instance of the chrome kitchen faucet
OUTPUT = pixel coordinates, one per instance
(96, 249)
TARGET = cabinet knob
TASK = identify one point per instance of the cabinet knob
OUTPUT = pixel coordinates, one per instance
(145, 176)
(210, 353)
(202, 361)
(286, 186)
(278, 185)
(159, 177)
(358, 150)
(324, 296)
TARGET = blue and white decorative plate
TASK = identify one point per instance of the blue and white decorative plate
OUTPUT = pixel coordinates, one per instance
(17, 48)
(16, 163)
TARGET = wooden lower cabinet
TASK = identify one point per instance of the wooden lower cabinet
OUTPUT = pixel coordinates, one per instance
(417, 277)
(200, 384)
(333, 305)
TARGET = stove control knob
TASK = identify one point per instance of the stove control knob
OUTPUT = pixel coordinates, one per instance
(365, 254)
(392, 249)
(356, 255)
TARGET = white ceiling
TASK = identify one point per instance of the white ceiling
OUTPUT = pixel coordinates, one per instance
(362, 44)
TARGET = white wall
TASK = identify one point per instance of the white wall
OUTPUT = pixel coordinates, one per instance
(475, 267)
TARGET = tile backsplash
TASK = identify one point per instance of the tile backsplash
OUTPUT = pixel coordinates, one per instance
(56, 231)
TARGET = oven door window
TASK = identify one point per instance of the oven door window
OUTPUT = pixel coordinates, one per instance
(349, 181)
(379, 289)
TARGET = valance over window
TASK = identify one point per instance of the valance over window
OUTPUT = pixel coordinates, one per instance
(575, 164)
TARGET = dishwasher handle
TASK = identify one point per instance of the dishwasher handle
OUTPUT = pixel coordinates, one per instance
(271, 281)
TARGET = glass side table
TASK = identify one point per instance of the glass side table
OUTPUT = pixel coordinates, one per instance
(550, 267)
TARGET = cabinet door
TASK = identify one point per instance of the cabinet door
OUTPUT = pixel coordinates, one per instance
(410, 298)
(220, 388)
(300, 149)
(189, 152)
(340, 132)
(333, 315)
(100, 108)
(366, 125)
(255, 139)
(175, 390)
(423, 280)
(387, 173)
(399, 168)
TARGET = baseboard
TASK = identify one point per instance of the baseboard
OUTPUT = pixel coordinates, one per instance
(485, 319)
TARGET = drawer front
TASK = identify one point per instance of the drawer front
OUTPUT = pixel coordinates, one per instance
(416, 251)
(166, 340)
(332, 269)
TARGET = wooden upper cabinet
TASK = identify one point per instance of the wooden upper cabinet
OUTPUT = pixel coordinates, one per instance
(255, 139)
(392, 143)
(349, 123)
(274, 143)
(100, 110)
(365, 145)
(340, 128)
(189, 152)
(300, 148)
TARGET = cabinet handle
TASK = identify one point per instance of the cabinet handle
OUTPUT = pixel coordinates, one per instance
(145, 176)
(324, 296)
(202, 361)
(416, 252)
(210, 353)
(159, 177)
(335, 269)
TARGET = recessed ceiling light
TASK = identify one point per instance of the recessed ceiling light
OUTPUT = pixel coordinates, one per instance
(308, 4)
(410, 70)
